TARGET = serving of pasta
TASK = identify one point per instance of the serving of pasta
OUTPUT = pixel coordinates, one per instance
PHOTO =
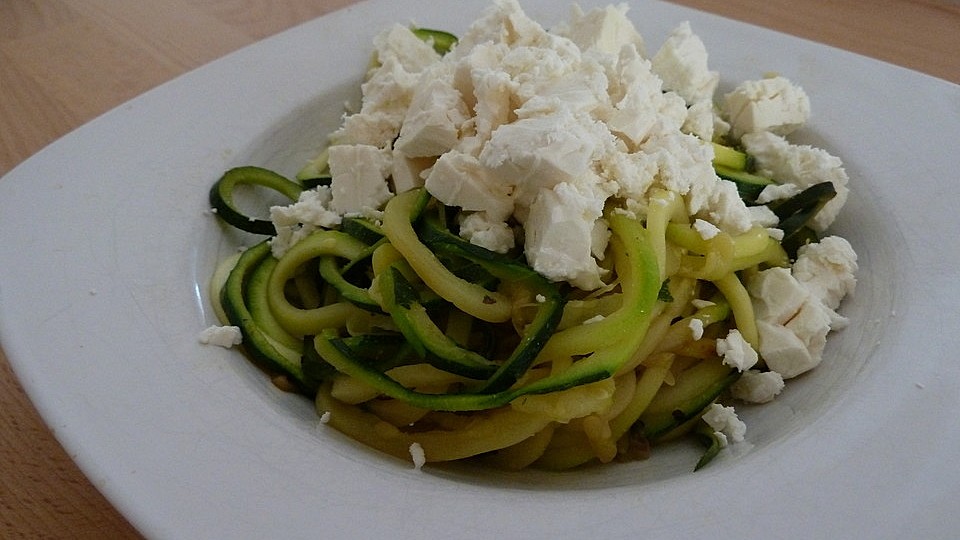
(542, 248)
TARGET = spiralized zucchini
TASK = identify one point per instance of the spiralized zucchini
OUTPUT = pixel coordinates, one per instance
(410, 338)
(486, 368)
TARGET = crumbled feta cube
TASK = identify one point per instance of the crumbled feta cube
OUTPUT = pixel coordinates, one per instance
(480, 230)
(296, 221)
(388, 89)
(776, 192)
(540, 152)
(795, 307)
(600, 238)
(407, 173)
(221, 336)
(594, 319)
(725, 208)
(685, 167)
(736, 352)
(432, 123)
(763, 216)
(605, 29)
(399, 44)
(503, 22)
(783, 351)
(756, 386)
(705, 229)
(643, 109)
(696, 329)
(559, 231)
(701, 120)
(774, 104)
(827, 269)
(777, 296)
(459, 179)
(802, 165)
(359, 178)
(724, 420)
(811, 324)
(682, 64)
(417, 455)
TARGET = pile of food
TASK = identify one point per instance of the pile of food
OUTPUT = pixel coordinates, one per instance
(543, 248)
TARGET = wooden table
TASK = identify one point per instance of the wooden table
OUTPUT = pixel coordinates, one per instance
(63, 62)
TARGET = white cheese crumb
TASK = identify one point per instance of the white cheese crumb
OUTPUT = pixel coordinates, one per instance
(682, 64)
(594, 319)
(774, 104)
(801, 165)
(725, 421)
(696, 328)
(736, 352)
(699, 303)
(756, 386)
(221, 336)
(706, 229)
(325, 417)
(418, 456)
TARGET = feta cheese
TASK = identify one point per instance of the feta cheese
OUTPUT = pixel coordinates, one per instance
(776, 192)
(756, 386)
(541, 152)
(398, 44)
(606, 29)
(724, 420)
(594, 319)
(801, 165)
(763, 216)
(418, 456)
(643, 109)
(294, 222)
(701, 120)
(795, 307)
(777, 296)
(432, 123)
(783, 351)
(725, 208)
(827, 269)
(388, 88)
(696, 329)
(682, 64)
(359, 178)
(503, 22)
(559, 233)
(459, 179)
(705, 229)
(489, 92)
(221, 336)
(407, 173)
(811, 324)
(479, 229)
(773, 104)
(685, 167)
(736, 352)
(600, 238)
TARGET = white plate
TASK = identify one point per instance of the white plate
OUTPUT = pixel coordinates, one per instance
(107, 247)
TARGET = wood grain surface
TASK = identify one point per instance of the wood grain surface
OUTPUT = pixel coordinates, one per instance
(63, 62)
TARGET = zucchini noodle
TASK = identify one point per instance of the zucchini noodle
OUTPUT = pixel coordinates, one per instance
(405, 332)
